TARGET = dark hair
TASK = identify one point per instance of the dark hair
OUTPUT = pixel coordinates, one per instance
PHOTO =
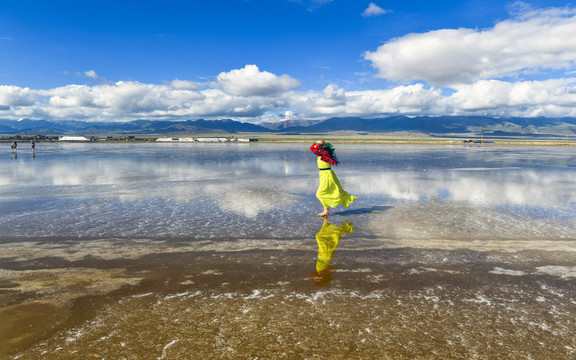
(328, 147)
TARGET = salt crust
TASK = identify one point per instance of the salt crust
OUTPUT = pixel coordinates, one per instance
(563, 272)
(134, 249)
(60, 286)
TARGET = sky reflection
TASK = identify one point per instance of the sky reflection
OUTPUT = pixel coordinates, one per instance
(479, 187)
(261, 190)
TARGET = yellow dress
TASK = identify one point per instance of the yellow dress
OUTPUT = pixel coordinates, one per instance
(330, 192)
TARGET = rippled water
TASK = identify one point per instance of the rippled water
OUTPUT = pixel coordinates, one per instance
(210, 250)
(262, 191)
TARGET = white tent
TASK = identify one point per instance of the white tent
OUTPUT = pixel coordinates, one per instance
(73, 138)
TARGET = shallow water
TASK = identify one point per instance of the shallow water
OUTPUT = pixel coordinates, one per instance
(265, 191)
(209, 249)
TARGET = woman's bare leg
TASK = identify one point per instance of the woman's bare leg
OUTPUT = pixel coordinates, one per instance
(325, 212)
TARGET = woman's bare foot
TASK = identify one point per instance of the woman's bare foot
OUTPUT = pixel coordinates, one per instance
(325, 212)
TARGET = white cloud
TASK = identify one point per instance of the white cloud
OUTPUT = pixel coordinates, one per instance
(374, 10)
(493, 93)
(15, 96)
(334, 101)
(312, 5)
(186, 85)
(128, 100)
(290, 115)
(239, 94)
(409, 100)
(250, 81)
(91, 74)
(533, 41)
(555, 97)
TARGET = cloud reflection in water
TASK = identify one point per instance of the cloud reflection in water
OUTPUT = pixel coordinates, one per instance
(494, 187)
(152, 190)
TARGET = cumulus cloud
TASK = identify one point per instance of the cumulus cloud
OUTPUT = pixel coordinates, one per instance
(374, 10)
(250, 81)
(124, 100)
(248, 94)
(244, 93)
(335, 101)
(532, 41)
(408, 100)
(15, 96)
(554, 97)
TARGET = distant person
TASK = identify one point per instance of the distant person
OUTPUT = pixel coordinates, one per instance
(330, 192)
(13, 145)
(33, 144)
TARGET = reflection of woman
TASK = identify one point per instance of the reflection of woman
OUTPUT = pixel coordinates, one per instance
(328, 238)
(330, 192)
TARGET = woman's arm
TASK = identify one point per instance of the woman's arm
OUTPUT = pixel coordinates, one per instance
(316, 148)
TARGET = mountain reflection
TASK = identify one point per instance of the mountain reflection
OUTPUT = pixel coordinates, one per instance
(328, 239)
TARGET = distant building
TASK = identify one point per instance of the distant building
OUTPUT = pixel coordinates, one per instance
(212, 139)
(73, 138)
(204, 140)
(176, 139)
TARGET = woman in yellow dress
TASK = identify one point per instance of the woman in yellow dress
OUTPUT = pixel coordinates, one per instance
(330, 192)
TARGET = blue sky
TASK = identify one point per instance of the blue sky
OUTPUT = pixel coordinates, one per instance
(271, 60)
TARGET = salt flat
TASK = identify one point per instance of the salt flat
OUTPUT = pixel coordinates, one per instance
(207, 251)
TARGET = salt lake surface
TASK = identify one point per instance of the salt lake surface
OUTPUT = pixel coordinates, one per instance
(208, 251)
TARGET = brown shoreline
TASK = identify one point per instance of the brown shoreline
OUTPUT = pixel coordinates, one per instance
(347, 137)
(397, 303)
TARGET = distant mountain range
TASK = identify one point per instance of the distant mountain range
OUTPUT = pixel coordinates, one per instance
(432, 126)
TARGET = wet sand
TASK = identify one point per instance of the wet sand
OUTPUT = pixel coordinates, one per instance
(119, 299)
